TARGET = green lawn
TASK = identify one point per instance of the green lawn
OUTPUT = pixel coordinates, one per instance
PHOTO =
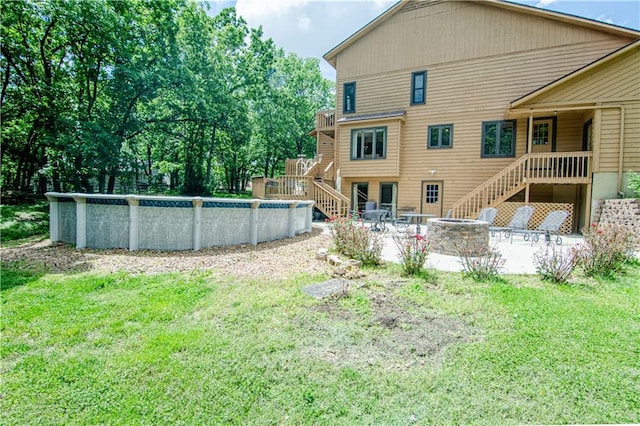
(24, 221)
(200, 349)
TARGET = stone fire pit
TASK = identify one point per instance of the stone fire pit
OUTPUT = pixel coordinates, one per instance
(444, 234)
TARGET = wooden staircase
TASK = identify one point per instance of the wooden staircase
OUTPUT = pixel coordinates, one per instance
(551, 168)
(329, 201)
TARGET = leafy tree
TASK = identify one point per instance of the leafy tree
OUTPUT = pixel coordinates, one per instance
(285, 114)
(98, 91)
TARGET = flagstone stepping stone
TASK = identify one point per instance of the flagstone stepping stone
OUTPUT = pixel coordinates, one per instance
(327, 288)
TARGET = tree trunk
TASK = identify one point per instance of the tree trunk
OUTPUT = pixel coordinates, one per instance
(112, 182)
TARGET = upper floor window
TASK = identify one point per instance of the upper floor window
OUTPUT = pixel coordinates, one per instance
(349, 98)
(418, 87)
(440, 136)
(499, 138)
(369, 143)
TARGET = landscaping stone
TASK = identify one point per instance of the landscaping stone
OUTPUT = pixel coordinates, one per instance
(321, 254)
(327, 288)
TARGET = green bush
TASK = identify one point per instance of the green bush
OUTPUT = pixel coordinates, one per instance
(555, 264)
(605, 249)
(634, 184)
(413, 251)
(481, 264)
(352, 239)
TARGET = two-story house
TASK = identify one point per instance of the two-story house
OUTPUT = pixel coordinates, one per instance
(458, 105)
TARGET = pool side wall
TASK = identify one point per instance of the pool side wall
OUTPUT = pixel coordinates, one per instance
(172, 223)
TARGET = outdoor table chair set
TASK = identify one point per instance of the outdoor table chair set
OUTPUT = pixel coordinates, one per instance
(519, 223)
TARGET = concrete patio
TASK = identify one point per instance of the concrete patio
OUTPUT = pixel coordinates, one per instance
(518, 253)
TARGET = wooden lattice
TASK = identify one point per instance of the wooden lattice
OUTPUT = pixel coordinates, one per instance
(507, 209)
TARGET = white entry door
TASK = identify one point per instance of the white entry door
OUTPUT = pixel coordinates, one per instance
(432, 198)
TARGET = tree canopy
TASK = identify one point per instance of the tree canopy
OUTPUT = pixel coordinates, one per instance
(99, 95)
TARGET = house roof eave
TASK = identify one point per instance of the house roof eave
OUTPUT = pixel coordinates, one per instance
(567, 18)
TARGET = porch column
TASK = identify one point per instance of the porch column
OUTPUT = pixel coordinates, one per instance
(596, 128)
(530, 134)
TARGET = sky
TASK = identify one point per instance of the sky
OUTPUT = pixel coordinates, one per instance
(311, 28)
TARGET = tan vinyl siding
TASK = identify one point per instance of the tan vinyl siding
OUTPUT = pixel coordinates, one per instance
(325, 147)
(618, 79)
(609, 140)
(482, 83)
(569, 131)
(478, 30)
(632, 137)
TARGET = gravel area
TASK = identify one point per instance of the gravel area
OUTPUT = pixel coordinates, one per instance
(274, 259)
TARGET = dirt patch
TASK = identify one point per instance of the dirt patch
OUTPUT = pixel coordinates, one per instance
(389, 331)
(274, 259)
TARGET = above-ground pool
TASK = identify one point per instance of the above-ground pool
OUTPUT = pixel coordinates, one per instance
(138, 222)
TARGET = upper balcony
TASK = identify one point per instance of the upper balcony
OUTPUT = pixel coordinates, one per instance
(326, 120)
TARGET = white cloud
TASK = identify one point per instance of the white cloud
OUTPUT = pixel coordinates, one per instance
(605, 18)
(545, 3)
(304, 22)
(257, 10)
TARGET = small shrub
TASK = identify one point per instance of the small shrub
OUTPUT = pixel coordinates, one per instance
(634, 184)
(353, 239)
(555, 264)
(606, 247)
(413, 251)
(481, 264)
